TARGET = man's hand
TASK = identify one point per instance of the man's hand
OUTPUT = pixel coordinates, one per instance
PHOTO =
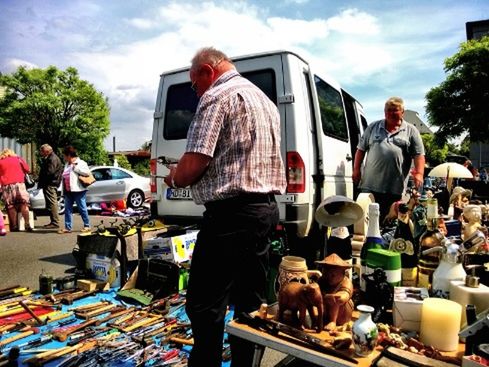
(356, 176)
(171, 176)
(418, 179)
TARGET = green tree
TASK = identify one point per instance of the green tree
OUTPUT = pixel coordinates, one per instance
(460, 103)
(435, 152)
(55, 107)
(142, 168)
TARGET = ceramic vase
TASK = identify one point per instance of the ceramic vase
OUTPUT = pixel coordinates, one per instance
(364, 332)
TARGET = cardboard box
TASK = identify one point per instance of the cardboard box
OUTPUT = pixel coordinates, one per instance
(407, 307)
(177, 249)
(104, 269)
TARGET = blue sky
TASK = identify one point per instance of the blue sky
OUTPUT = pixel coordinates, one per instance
(375, 49)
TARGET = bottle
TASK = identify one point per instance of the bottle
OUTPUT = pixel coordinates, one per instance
(450, 268)
(432, 237)
(373, 240)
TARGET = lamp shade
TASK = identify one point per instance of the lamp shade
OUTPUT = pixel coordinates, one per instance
(338, 211)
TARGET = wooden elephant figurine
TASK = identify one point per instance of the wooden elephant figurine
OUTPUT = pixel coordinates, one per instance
(298, 297)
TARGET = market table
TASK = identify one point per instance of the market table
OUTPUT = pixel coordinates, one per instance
(264, 340)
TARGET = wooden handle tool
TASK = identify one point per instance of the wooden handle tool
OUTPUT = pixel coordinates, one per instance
(23, 335)
(62, 335)
(26, 307)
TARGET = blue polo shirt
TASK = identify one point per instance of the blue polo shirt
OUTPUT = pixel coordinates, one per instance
(389, 156)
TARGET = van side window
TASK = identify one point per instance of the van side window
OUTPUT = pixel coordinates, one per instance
(332, 112)
(181, 102)
(364, 122)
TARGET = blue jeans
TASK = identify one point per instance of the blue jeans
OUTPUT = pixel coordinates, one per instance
(80, 199)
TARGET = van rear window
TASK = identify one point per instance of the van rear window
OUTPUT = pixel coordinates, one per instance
(181, 102)
(332, 112)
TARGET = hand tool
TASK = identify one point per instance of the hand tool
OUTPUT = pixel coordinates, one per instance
(61, 316)
(69, 299)
(181, 341)
(19, 336)
(113, 316)
(95, 312)
(151, 320)
(29, 311)
(88, 335)
(62, 335)
(275, 327)
(89, 306)
(43, 358)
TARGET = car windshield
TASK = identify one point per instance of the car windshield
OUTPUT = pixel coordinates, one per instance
(181, 103)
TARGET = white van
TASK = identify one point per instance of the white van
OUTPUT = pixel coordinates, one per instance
(320, 128)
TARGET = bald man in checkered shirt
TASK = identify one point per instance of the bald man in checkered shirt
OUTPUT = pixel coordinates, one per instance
(234, 167)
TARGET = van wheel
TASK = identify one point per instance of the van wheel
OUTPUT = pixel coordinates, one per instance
(135, 199)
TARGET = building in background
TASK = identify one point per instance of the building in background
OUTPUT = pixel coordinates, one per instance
(479, 151)
(413, 118)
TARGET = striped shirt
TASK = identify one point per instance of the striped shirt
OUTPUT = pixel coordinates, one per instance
(239, 127)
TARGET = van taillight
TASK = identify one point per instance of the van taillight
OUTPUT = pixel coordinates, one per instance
(152, 169)
(296, 173)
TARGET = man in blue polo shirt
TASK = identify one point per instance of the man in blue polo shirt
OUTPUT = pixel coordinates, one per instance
(391, 145)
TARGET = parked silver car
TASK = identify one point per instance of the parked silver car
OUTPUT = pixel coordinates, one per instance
(112, 183)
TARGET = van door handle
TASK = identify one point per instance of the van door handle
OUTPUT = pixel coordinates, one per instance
(349, 158)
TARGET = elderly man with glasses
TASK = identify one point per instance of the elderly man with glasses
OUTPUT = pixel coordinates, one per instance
(234, 167)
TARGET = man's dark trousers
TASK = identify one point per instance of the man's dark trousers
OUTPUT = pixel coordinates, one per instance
(385, 200)
(229, 265)
(51, 198)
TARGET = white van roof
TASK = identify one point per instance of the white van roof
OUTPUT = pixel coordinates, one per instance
(244, 57)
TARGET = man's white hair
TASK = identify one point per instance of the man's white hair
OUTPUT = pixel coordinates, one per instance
(210, 56)
(47, 148)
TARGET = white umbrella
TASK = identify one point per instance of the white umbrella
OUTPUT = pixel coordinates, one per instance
(450, 170)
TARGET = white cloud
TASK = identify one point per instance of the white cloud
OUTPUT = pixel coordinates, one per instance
(353, 21)
(141, 23)
(10, 65)
(298, 2)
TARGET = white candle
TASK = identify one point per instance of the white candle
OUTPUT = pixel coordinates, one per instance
(440, 323)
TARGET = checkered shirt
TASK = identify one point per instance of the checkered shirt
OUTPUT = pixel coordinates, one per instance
(239, 127)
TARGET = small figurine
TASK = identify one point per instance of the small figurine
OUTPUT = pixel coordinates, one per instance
(380, 294)
(459, 199)
(419, 217)
(297, 297)
(337, 290)
(472, 216)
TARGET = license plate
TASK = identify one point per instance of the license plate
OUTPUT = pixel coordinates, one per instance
(178, 194)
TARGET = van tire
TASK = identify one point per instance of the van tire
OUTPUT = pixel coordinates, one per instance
(135, 199)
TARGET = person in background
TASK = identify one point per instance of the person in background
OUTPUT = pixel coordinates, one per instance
(391, 146)
(73, 190)
(49, 181)
(14, 193)
(234, 167)
(483, 175)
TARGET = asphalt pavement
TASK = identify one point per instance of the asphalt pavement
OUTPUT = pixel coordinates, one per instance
(23, 255)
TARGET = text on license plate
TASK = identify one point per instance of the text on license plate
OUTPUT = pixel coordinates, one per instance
(178, 194)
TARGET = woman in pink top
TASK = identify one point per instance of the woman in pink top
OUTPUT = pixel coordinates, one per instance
(14, 192)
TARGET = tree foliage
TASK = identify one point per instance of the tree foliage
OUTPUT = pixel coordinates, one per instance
(55, 107)
(435, 152)
(460, 103)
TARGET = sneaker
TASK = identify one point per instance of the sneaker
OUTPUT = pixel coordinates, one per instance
(86, 230)
(64, 231)
(29, 229)
(3, 232)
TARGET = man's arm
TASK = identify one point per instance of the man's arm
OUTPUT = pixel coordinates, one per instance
(418, 172)
(357, 166)
(190, 169)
